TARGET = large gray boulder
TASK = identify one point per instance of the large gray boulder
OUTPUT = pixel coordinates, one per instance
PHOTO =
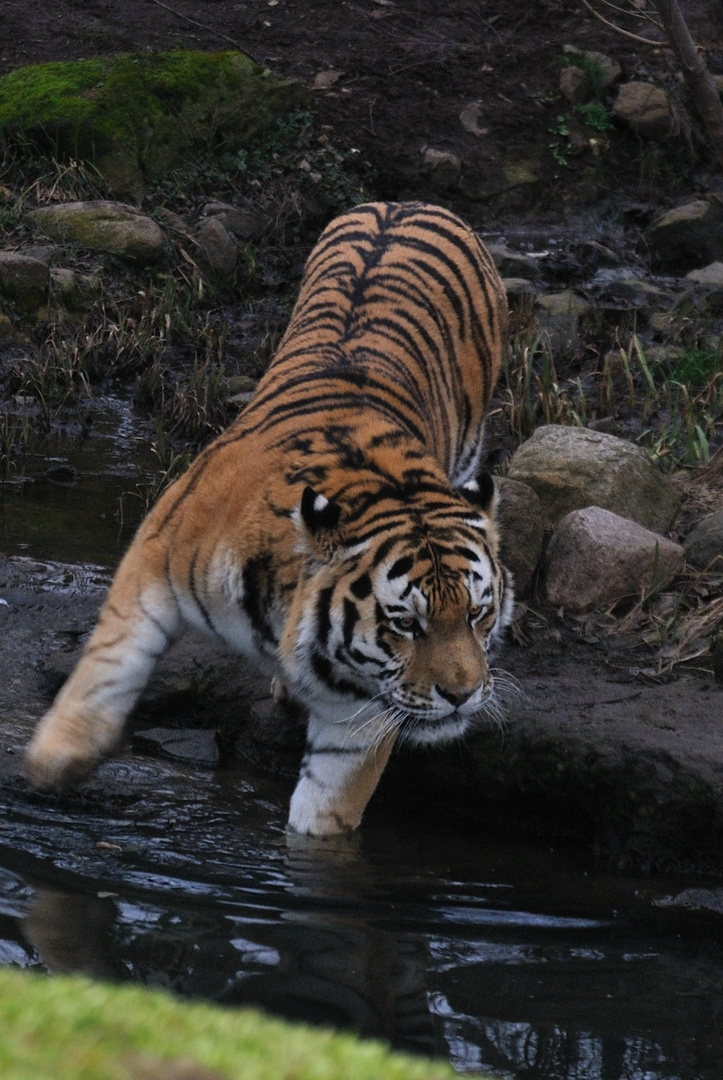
(23, 280)
(687, 236)
(596, 558)
(647, 110)
(571, 468)
(704, 543)
(135, 116)
(519, 518)
(101, 226)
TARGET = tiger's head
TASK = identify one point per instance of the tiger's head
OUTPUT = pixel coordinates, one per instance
(402, 604)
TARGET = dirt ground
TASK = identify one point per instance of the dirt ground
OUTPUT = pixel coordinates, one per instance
(399, 72)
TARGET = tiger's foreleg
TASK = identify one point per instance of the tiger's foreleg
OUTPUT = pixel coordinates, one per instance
(87, 718)
(340, 770)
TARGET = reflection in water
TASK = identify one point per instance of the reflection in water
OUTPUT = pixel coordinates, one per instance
(561, 998)
(497, 957)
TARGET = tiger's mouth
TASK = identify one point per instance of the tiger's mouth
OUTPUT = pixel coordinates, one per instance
(426, 729)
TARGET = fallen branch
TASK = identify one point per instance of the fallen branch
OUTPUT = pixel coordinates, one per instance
(208, 29)
(619, 30)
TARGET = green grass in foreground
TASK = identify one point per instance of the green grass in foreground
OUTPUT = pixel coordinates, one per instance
(73, 1029)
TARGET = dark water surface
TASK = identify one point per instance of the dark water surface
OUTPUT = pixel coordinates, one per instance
(495, 955)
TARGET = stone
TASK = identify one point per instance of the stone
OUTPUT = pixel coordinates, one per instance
(704, 543)
(444, 167)
(217, 249)
(112, 227)
(518, 289)
(711, 275)
(596, 558)
(623, 288)
(64, 286)
(245, 222)
(23, 280)
(646, 109)
(195, 745)
(471, 118)
(575, 85)
(559, 317)
(136, 116)
(519, 518)
(607, 70)
(571, 468)
(511, 263)
(687, 236)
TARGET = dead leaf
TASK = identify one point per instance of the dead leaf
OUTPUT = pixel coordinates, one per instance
(326, 79)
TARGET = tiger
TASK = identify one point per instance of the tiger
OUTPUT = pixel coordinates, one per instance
(340, 532)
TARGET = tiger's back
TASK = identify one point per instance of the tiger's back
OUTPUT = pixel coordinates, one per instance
(364, 430)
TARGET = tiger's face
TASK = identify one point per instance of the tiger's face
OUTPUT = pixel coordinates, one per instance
(408, 619)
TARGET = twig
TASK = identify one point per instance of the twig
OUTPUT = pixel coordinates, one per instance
(208, 29)
(625, 33)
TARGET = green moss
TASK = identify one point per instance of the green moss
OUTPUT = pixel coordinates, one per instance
(146, 109)
(73, 1029)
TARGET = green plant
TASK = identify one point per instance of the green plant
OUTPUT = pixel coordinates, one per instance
(14, 437)
(533, 393)
(560, 146)
(592, 68)
(694, 366)
(595, 115)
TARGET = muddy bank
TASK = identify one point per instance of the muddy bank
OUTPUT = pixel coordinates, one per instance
(592, 750)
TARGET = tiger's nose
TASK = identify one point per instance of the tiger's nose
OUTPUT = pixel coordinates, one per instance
(454, 697)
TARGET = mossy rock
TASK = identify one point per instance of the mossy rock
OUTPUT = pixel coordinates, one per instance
(66, 1028)
(136, 116)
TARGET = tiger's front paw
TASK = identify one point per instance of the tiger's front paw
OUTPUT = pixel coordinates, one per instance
(313, 815)
(57, 759)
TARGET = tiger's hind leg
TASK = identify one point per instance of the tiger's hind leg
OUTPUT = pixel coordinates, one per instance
(87, 718)
(339, 773)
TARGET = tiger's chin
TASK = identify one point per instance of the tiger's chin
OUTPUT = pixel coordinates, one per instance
(426, 730)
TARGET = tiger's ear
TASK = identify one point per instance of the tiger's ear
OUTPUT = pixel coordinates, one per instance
(481, 492)
(318, 518)
(319, 513)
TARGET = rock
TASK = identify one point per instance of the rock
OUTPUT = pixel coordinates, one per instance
(23, 280)
(708, 275)
(704, 543)
(64, 286)
(687, 236)
(605, 70)
(217, 249)
(647, 110)
(571, 468)
(512, 263)
(600, 68)
(519, 516)
(518, 289)
(101, 226)
(559, 317)
(575, 85)
(244, 222)
(444, 168)
(623, 288)
(136, 116)
(471, 118)
(596, 558)
(196, 745)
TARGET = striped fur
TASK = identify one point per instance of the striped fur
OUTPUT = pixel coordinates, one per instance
(337, 532)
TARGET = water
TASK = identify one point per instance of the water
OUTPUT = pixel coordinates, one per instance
(81, 500)
(495, 954)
